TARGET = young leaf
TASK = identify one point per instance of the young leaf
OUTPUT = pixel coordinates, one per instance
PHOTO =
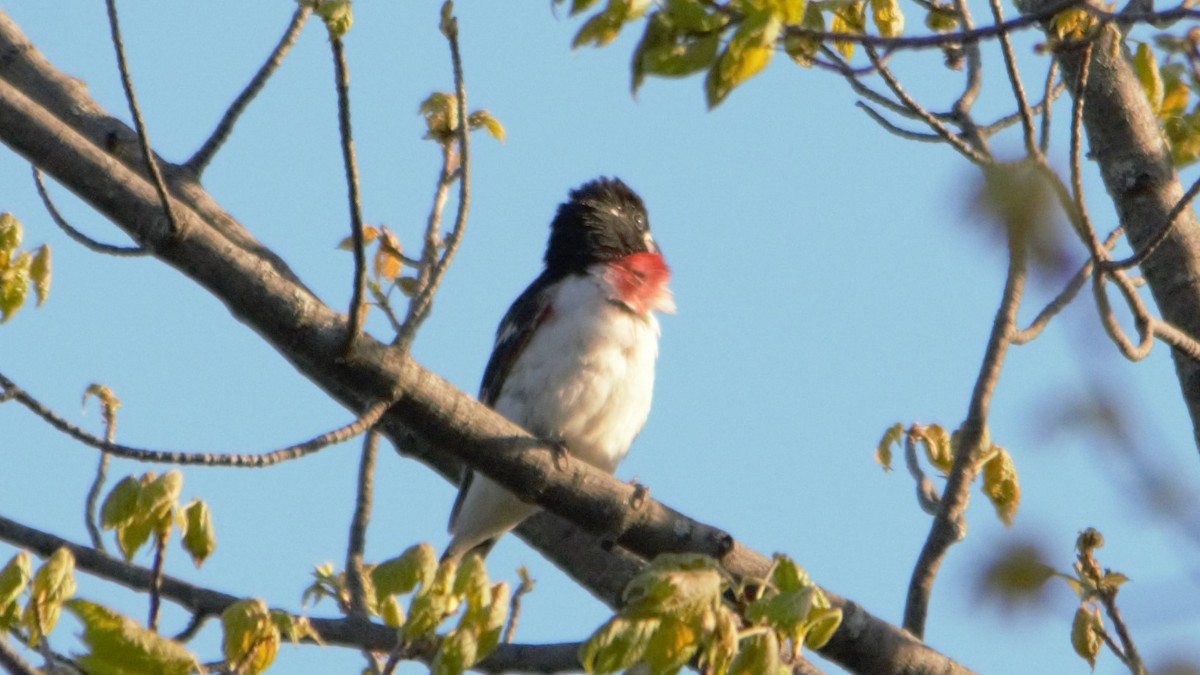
(10, 234)
(119, 645)
(296, 628)
(14, 578)
(617, 644)
(1146, 66)
(671, 646)
(158, 499)
(1086, 629)
(455, 654)
(848, 18)
(370, 233)
(883, 450)
(52, 585)
(14, 285)
(1001, 486)
(889, 20)
(749, 51)
(483, 118)
(251, 638)
(757, 654)
(823, 622)
(39, 272)
(199, 539)
(402, 574)
(336, 14)
(803, 49)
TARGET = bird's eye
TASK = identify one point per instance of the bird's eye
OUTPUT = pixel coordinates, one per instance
(640, 220)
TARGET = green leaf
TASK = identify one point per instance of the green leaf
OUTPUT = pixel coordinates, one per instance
(1001, 486)
(39, 272)
(52, 585)
(1175, 91)
(677, 584)
(10, 234)
(120, 646)
(1146, 66)
(757, 654)
(440, 110)
(484, 119)
(803, 49)
(889, 20)
(749, 51)
(455, 654)
(159, 498)
(417, 565)
(14, 578)
(199, 539)
(492, 621)
(1086, 630)
(14, 285)
(1111, 581)
(671, 646)
(681, 56)
(471, 579)
(941, 18)
(391, 612)
(251, 637)
(823, 623)
(120, 506)
(694, 16)
(938, 446)
(787, 575)
(296, 628)
(883, 450)
(848, 18)
(132, 535)
(370, 233)
(618, 644)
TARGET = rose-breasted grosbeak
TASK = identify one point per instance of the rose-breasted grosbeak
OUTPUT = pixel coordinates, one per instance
(574, 356)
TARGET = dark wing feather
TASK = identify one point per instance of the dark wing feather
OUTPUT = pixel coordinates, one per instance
(517, 327)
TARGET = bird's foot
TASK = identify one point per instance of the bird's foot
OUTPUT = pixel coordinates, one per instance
(559, 452)
(640, 494)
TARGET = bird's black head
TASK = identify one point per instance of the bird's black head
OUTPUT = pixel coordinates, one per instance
(603, 220)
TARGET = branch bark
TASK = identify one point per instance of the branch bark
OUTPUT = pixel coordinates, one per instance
(53, 123)
(1125, 141)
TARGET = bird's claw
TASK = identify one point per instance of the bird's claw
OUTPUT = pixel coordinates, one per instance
(559, 453)
(640, 494)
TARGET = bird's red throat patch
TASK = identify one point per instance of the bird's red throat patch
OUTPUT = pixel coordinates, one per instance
(640, 281)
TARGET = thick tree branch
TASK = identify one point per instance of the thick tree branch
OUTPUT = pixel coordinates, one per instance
(432, 419)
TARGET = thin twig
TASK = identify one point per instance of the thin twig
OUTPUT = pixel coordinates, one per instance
(1129, 652)
(12, 661)
(369, 417)
(514, 607)
(941, 129)
(204, 155)
(418, 308)
(1085, 221)
(1159, 237)
(357, 305)
(358, 527)
(966, 100)
(852, 78)
(156, 577)
(358, 607)
(93, 495)
(1014, 79)
(1060, 301)
(73, 233)
(1051, 92)
(1109, 320)
(193, 627)
(949, 524)
(143, 138)
(896, 130)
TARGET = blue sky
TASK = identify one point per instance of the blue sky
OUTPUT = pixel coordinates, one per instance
(831, 280)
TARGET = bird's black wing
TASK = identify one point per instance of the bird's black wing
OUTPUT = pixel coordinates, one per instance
(528, 312)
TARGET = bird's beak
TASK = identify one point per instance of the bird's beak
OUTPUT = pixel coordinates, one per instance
(651, 245)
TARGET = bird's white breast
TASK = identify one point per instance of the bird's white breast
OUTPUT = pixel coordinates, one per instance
(587, 375)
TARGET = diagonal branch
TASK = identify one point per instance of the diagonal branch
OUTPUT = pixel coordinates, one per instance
(431, 420)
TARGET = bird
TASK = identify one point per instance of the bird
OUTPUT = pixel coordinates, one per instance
(574, 357)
